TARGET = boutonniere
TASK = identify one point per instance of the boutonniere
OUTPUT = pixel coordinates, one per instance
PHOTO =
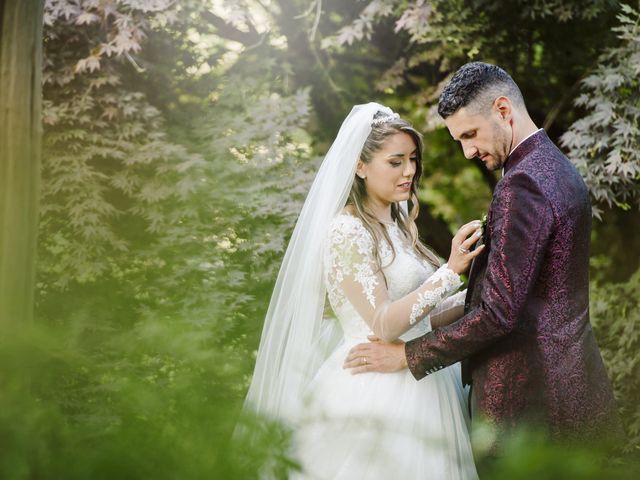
(483, 225)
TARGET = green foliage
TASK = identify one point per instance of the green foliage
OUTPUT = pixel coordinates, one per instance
(530, 455)
(433, 39)
(438, 36)
(615, 314)
(564, 10)
(123, 203)
(146, 404)
(452, 186)
(213, 269)
(156, 260)
(107, 163)
(605, 144)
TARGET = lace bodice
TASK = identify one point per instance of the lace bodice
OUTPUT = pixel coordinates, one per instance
(392, 303)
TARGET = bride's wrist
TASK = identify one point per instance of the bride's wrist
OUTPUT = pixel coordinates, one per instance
(452, 265)
(452, 268)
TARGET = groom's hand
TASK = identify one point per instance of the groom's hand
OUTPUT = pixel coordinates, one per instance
(377, 356)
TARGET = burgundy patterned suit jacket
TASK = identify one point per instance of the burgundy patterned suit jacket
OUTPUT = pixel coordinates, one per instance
(526, 340)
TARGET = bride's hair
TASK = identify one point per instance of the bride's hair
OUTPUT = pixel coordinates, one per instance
(357, 200)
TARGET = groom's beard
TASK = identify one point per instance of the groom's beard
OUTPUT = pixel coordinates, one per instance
(503, 142)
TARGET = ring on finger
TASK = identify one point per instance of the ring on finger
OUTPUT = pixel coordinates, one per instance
(463, 250)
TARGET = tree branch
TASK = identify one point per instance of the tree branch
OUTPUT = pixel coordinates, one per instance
(557, 108)
(230, 32)
(361, 59)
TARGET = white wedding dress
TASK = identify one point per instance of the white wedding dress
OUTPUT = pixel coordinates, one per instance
(382, 425)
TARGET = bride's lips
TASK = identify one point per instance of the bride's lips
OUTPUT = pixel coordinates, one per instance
(405, 185)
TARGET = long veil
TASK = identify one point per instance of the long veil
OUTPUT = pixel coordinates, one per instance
(288, 355)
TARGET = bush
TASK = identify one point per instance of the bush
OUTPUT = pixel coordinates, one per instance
(615, 315)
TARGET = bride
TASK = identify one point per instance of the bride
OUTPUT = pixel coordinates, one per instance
(356, 242)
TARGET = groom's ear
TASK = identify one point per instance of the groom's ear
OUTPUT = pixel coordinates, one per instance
(502, 106)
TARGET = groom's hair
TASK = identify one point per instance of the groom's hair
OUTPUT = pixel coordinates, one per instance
(476, 85)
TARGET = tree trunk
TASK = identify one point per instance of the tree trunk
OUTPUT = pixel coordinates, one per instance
(20, 145)
(302, 55)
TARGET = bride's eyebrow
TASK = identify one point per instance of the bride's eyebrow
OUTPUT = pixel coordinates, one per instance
(394, 155)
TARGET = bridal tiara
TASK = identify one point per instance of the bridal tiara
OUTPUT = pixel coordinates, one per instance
(384, 118)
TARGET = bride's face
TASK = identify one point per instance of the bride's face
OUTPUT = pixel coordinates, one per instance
(389, 175)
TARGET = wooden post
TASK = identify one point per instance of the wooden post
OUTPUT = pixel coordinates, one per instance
(20, 145)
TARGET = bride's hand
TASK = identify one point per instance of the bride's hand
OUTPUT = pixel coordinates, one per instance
(464, 239)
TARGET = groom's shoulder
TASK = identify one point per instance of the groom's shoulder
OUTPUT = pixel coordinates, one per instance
(544, 163)
(547, 171)
(551, 168)
(547, 157)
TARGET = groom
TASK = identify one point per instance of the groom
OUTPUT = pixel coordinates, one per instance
(525, 339)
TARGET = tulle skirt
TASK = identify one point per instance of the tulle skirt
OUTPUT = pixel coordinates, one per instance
(383, 425)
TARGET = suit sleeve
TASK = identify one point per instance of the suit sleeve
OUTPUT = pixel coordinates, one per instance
(520, 227)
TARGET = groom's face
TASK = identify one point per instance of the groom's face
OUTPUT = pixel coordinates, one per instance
(487, 136)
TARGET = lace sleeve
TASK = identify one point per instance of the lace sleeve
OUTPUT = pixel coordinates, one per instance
(449, 310)
(353, 275)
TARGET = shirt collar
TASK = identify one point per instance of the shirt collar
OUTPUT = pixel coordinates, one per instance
(513, 159)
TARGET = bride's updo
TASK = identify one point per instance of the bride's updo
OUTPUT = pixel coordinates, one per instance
(383, 127)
